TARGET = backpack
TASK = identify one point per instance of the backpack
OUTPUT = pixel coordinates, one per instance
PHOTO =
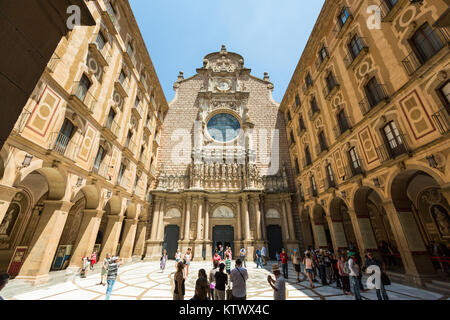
(347, 268)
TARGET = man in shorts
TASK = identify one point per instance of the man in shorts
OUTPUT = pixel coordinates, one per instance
(296, 262)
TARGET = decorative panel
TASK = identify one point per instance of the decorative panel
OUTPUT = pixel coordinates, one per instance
(368, 145)
(417, 117)
(88, 143)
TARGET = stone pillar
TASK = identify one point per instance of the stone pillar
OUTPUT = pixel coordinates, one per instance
(6, 196)
(140, 240)
(87, 234)
(183, 220)
(152, 252)
(198, 252)
(111, 237)
(364, 235)
(263, 220)
(258, 218)
(208, 242)
(337, 234)
(239, 220)
(187, 224)
(155, 219)
(129, 234)
(305, 222)
(160, 233)
(284, 227)
(248, 242)
(414, 254)
(45, 241)
(290, 218)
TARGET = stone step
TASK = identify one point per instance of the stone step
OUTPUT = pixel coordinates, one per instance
(443, 284)
(438, 288)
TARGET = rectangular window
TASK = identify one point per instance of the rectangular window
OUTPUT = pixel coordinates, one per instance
(343, 16)
(355, 46)
(308, 80)
(342, 121)
(330, 175)
(322, 141)
(101, 41)
(426, 43)
(111, 117)
(99, 157)
(323, 54)
(331, 82)
(374, 92)
(301, 123)
(130, 49)
(297, 100)
(121, 171)
(83, 87)
(314, 106)
(394, 140)
(127, 142)
(307, 156)
(122, 76)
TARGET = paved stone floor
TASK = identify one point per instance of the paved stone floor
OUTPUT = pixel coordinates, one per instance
(144, 281)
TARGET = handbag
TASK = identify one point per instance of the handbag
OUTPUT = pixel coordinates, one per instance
(385, 279)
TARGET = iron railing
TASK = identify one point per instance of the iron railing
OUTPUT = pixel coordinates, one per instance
(320, 60)
(63, 145)
(377, 96)
(352, 171)
(442, 121)
(339, 25)
(386, 7)
(84, 96)
(390, 149)
(112, 126)
(360, 46)
(104, 52)
(330, 87)
(102, 170)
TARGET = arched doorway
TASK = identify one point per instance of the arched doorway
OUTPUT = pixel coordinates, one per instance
(321, 228)
(344, 235)
(171, 236)
(223, 235)
(423, 212)
(275, 240)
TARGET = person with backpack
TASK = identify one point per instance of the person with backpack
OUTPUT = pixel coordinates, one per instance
(258, 258)
(221, 281)
(239, 277)
(309, 268)
(370, 260)
(354, 273)
(344, 274)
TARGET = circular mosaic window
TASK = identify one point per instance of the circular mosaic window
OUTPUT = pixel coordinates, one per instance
(223, 127)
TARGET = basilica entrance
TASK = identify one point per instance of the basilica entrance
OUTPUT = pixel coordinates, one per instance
(171, 234)
(275, 240)
(223, 235)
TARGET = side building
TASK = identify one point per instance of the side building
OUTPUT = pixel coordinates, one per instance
(368, 122)
(76, 171)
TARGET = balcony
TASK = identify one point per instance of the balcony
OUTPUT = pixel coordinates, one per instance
(130, 148)
(122, 86)
(51, 66)
(321, 148)
(388, 11)
(111, 21)
(330, 89)
(393, 148)
(352, 58)
(137, 111)
(103, 56)
(330, 184)
(83, 100)
(339, 28)
(378, 96)
(111, 128)
(342, 127)
(353, 170)
(102, 171)
(306, 162)
(441, 120)
(63, 145)
(436, 40)
(22, 121)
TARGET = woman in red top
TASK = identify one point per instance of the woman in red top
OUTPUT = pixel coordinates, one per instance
(284, 262)
(93, 259)
(217, 257)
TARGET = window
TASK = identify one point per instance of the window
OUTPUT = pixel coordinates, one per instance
(355, 164)
(313, 186)
(64, 136)
(390, 3)
(342, 121)
(330, 176)
(288, 115)
(314, 106)
(122, 76)
(343, 16)
(83, 87)
(308, 80)
(101, 41)
(374, 92)
(307, 156)
(297, 167)
(292, 137)
(142, 153)
(129, 136)
(322, 141)
(425, 43)
(323, 54)
(444, 92)
(297, 100)
(121, 171)
(301, 123)
(99, 157)
(393, 140)
(130, 49)
(222, 127)
(355, 46)
(111, 116)
(302, 194)
(331, 82)
(136, 180)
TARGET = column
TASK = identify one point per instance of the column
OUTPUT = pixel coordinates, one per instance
(87, 234)
(155, 219)
(208, 242)
(248, 243)
(45, 241)
(183, 220)
(187, 224)
(290, 218)
(198, 252)
(160, 228)
(305, 223)
(140, 240)
(239, 220)
(255, 202)
(263, 220)
(285, 227)
(6, 196)
(129, 234)
(112, 234)
(414, 254)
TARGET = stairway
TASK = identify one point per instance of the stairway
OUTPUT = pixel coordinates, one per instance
(439, 286)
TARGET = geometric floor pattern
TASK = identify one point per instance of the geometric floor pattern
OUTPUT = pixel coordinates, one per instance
(144, 281)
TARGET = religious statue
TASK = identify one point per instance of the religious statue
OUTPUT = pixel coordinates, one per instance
(9, 219)
(442, 220)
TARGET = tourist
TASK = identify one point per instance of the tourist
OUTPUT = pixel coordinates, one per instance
(187, 260)
(228, 263)
(202, 275)
(309, 266)
(278, 285)
(263, 255)
(296, 262)
(113, 268)
(277, 256)
(201, 289)
(322, 272)
(328, 269)
(85, 264)
(371, 260)
(354, 274)
(93, 260)
(357, 259)
(4, 279)
(163, 260)
(343, 274)
(220, 251)
(258, 258)
(177, 257)
(179, 291)
(212, 278)
(104, 271)
(217, 257)
(243, 254)
(239, 277)
(221, 281)
(334, 270)
(284, 262)
(228, 253)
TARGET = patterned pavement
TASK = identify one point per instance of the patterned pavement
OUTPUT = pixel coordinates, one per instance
(145, 281)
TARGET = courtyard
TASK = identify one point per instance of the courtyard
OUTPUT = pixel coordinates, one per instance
(145, 281)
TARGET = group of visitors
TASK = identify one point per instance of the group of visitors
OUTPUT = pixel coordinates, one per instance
(179, 257)
(88, 263)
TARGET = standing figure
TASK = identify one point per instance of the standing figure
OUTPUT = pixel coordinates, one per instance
(187, 260)
(163, 261)
(104, 271)
(113, 268)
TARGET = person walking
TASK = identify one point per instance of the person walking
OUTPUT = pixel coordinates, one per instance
(228, 263)
(354, 274)
(258, 258)
(220, 251)
(221, 280)
(322, 272)
(93, 260)
(163, 260)
(238, 277)
(187, 260)
(177, 258)
(104, 271)
(212, 278)
(309, 268)
(4, 279)
(278, 285)
(343, 274)
(371, 260)
(113, 268)
(179, 282)
(84, 267)
(335, 271)
(243, 254)
(284, 262)
(296, 262)
(263, 255)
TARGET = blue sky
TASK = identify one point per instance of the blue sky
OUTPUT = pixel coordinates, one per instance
(269, 34)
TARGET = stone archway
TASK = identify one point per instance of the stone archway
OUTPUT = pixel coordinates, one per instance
(341, 225)
(321, 229)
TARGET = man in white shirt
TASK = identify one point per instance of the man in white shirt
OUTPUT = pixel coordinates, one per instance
(239, 277)
(243, 253)
(354, 273)
(278, 285)
(263, 254)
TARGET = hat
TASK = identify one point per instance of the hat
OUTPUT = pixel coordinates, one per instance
(275, 267)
